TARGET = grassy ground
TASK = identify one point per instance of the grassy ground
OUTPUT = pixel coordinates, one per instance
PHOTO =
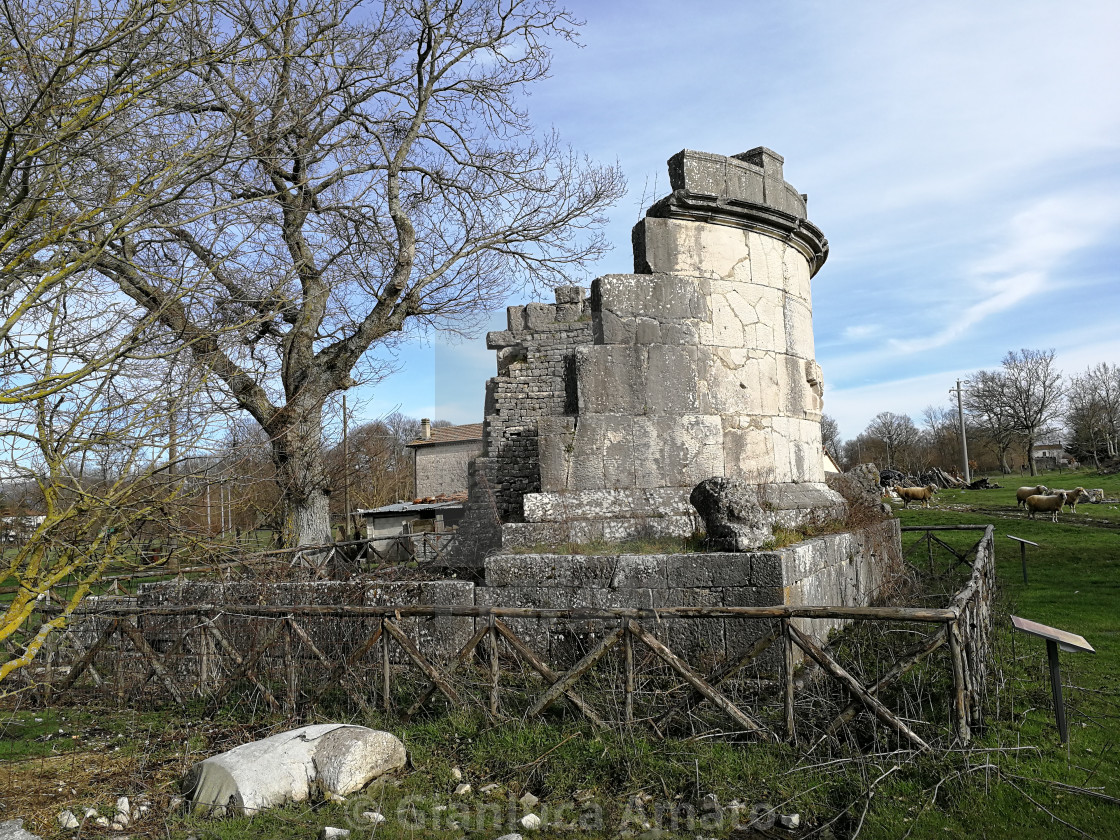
(1017, 780)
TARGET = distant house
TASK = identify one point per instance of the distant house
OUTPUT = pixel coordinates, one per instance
(440, 457)
(20, 526)
(830, 465)
(1052, 455)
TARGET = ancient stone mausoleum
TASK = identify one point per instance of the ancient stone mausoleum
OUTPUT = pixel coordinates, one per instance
(609, 408)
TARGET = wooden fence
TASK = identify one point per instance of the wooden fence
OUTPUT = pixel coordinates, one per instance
(332, 561)
(618, 666)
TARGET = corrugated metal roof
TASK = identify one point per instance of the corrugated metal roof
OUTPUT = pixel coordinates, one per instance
(451, 434)
(416, 506)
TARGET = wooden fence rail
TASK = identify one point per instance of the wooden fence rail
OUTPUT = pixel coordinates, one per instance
(612, 666)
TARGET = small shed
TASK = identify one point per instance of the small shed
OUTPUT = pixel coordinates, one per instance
(420, 516)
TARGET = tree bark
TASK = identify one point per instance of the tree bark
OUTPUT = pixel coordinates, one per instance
(295, 434)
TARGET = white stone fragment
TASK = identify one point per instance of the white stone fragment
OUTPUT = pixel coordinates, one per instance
(67, 820)
(528, 801)
(462, 790)
(375, 817)
(329, 832)
(334, 759)
(530, 822)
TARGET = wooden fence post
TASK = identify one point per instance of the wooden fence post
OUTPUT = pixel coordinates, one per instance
(495, 670)
(960, 700)
(384, 667)
(787, 654)
(628, 660)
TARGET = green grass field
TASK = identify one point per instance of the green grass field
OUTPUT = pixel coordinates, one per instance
(1016, 781)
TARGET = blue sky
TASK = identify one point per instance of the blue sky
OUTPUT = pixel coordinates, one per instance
(963, 160)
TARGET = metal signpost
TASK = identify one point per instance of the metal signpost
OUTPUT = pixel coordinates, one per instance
(1022, 551)
(1054, 637)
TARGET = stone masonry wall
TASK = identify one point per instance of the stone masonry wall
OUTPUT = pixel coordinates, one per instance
(442, 468)
(535, 379)
(835, 570)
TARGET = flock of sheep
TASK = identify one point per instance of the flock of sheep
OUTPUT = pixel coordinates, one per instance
(1037, 499)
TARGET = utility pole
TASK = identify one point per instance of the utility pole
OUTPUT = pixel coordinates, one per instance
(346, 466)
(964, 439)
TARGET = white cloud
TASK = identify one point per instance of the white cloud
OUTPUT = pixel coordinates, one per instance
(1036, 243)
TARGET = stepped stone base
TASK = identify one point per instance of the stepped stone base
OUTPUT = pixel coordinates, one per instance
(846, 569)
(582, 516)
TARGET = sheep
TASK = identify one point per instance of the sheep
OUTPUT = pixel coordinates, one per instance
(1051, 504)
(1077, 494)
(1022, 493)
(916, 494)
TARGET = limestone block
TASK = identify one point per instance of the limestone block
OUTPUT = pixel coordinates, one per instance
(727, 382)
(767, 569)
(671, 375)
(336, 759)
(638, 571)
(770, 261)
(793, 386)
(693, 249)
(570, 294)
(658, 502)
(497, 339)
(549, 569)
(798, 322)
(698, 172)
(681, 449)
(611, 379)
(555, 447)
(711, 570)
(749, 450)
(663, 297)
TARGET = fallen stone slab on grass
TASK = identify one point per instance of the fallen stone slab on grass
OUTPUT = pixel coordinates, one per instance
(329, 760)
(14, 830)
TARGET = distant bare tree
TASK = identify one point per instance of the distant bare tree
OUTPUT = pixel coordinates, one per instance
(941, 434)
(987, 405)
(897, 434)
(1093, 411)
(830, 435)
(1033, 389)
(377, 175)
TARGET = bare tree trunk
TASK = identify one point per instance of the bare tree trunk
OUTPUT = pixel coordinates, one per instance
(297, 450)
(1030, 454)
(1003, 465)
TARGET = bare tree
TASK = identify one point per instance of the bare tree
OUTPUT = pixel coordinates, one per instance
(385, 178)
(830, 434)
(1093, 411)
(1033, 390)
(941, 434)
(988, 405)
(897, 434)
(78, 82)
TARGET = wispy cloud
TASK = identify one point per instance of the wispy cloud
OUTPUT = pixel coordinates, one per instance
(1036, 243)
